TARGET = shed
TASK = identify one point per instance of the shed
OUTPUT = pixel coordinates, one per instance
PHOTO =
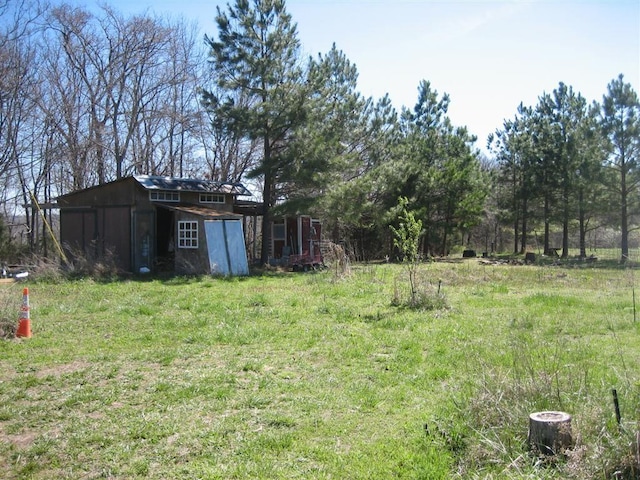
(295, 241)
(150, 223)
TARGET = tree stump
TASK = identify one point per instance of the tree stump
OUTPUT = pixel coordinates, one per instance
(549, 432)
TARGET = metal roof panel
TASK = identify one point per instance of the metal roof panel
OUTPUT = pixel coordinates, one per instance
(151, 182)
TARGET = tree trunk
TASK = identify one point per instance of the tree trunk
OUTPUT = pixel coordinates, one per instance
(516, 219)
(583, 226)
(547, 213)
(267, 193)
(565, 224)
(523, 240)
(516, 236)
(624, 218)
(266, 222)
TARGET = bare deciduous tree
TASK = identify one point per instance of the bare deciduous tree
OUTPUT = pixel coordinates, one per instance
(229, 154)
(138, 78)
(19, 127)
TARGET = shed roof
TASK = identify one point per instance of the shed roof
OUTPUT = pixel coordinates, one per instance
(151, 182)
(248, 207)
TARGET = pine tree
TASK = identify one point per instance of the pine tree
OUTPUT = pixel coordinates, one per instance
(621, 125)
(257, 55)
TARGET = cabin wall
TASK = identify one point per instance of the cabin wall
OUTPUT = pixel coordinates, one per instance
(294, 235)
(194, 199)
(112, 194)
(190, 261)
(119, 222)
(97, 234)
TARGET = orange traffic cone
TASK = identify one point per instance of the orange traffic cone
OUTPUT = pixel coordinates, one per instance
(24, 327)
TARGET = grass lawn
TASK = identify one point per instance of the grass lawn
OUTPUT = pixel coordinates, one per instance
(320, 376)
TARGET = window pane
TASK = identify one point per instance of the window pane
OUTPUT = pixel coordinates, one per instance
(187, 234)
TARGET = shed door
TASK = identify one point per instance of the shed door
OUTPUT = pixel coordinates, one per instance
(143, 241)
(225, 244)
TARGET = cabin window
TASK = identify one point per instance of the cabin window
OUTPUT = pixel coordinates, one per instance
(159, 196)
(211, 198)
(278, 230)
(187, 234)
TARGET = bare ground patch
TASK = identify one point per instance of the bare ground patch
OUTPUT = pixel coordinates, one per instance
(62, 369)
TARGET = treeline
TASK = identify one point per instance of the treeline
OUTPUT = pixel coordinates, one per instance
(90, 96)
(565, 162)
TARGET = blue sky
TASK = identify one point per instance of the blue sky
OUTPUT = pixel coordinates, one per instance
(488, 55)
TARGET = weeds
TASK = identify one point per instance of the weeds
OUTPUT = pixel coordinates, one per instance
(423, 295)
(496, 416)
(10, 302)
(337, 260)
(99, 266)
(80, 265)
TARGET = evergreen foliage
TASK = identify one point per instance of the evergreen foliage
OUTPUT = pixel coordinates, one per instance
(621, 126)
(569, 164)
(257, 55)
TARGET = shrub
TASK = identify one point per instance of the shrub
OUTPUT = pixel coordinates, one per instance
(337, 260)
(422, 296)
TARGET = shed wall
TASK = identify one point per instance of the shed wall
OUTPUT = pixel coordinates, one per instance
(117, 193)
(97, 233)
(192, 260)
(118, 219)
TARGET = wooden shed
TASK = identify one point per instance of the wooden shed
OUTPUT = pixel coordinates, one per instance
(150, 223)
(295, 241)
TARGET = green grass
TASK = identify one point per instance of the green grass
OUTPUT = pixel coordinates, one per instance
(313, 376)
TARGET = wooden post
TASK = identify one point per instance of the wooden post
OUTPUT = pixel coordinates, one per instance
(549, 432)
(616, 405)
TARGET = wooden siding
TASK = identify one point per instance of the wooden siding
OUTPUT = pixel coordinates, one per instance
(120, 220)
(97, 233)
(121, 192)
(192, 260)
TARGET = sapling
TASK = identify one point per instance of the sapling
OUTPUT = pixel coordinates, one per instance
(406, 238)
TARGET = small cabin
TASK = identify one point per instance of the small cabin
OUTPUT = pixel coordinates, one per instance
(295, 242)
(149, 223)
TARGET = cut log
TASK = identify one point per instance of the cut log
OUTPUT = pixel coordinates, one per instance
(550, 432)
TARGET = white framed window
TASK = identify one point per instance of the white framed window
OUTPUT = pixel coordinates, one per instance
(160, 196)
(187, 234)
(211, 198)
